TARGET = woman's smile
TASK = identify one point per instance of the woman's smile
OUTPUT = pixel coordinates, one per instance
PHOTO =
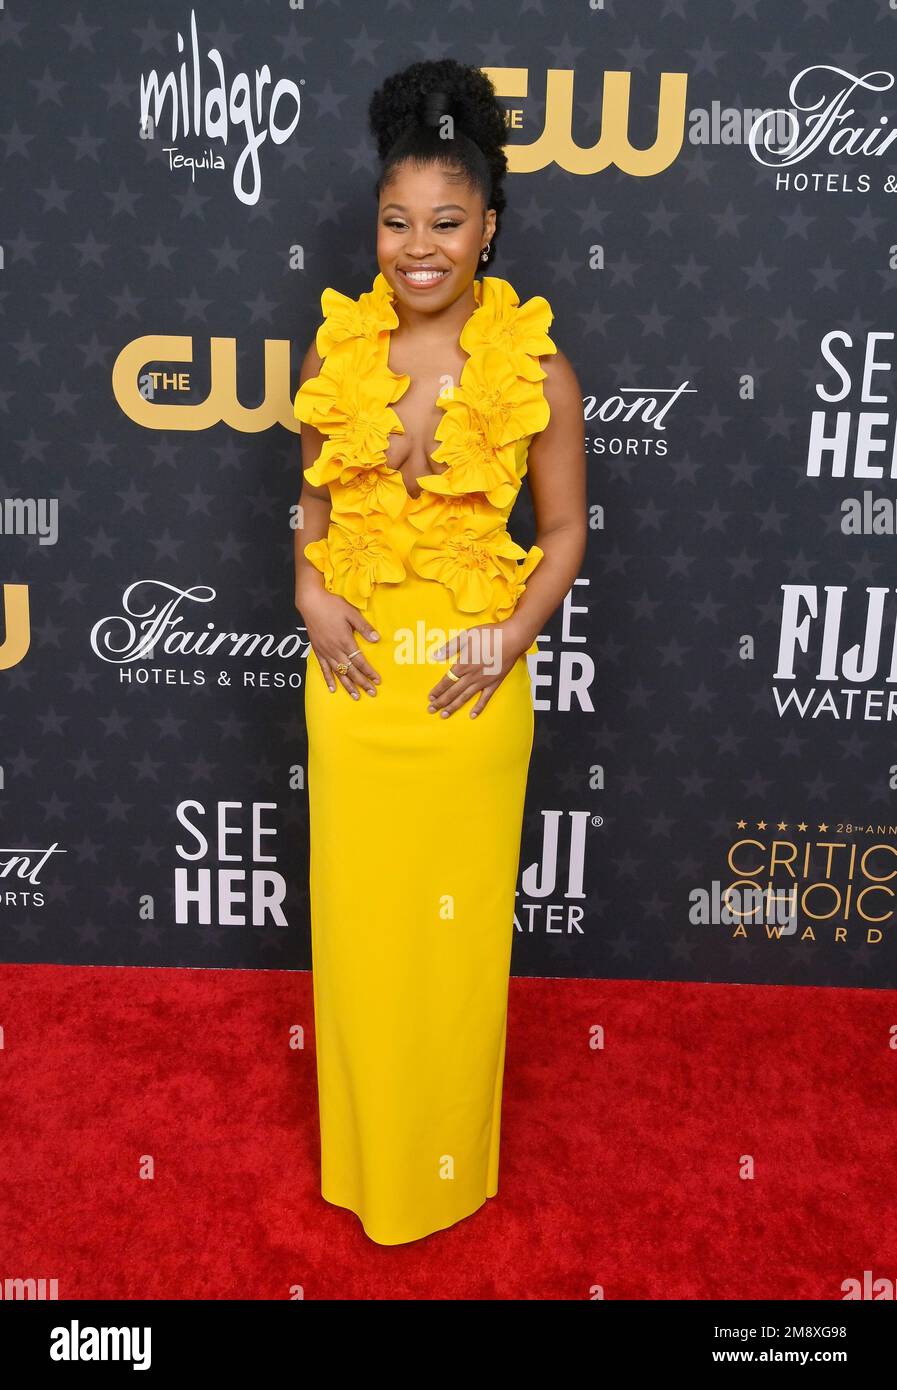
(421, 278)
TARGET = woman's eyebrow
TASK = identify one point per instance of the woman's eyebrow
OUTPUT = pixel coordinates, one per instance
(443, 207)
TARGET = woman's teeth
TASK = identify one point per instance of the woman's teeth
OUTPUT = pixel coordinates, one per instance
(424, 277)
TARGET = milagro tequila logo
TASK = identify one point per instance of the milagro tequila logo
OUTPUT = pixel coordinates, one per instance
(822, 123)
(150, 623)
(204, 106)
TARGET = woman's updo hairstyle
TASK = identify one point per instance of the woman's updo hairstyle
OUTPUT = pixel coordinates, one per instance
(406, 120)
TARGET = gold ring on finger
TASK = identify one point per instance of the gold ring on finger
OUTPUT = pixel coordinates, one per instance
(342, 668)
(452, 677)
(357, 652)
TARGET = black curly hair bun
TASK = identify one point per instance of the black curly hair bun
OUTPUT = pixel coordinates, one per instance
(406, 118)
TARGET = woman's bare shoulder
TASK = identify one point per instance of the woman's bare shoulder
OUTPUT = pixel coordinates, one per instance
(561, 384)
(311, 363)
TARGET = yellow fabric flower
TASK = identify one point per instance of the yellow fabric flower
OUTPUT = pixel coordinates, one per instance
(515, 586)
(355, 555)
(367, 316)
(519, 330)
(488, 422)
(349, 401)
(374, 489)
(430, 510)
(468, 559)
(488, 412)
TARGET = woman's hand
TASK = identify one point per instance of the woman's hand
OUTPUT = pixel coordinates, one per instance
(331, 623)
(483, 656)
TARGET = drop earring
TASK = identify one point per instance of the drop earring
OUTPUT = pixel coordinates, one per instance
(484, 254)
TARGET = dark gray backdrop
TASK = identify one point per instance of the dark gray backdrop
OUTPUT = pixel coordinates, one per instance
(663, 766)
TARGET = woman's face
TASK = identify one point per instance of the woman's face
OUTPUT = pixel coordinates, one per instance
(427, 222)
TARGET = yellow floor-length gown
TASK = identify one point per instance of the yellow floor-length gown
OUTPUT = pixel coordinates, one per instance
(415, 820)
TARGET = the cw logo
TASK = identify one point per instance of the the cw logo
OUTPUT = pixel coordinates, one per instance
(17, 623)
(612, 147)
(221, 403)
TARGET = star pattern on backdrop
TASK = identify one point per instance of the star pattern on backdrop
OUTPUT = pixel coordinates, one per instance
(707, 276)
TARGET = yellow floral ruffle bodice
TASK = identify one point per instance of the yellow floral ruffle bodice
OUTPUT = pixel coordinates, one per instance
(459, 520)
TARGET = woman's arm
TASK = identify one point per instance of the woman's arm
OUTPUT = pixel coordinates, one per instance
(330, 621)
(314, 502)
(556, 470)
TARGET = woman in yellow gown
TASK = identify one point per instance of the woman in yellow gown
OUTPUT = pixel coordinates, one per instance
(421, 609)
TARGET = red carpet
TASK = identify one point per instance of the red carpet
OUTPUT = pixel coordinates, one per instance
(620, 1167)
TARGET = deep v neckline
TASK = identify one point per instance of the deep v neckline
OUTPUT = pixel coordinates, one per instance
(409, 496)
